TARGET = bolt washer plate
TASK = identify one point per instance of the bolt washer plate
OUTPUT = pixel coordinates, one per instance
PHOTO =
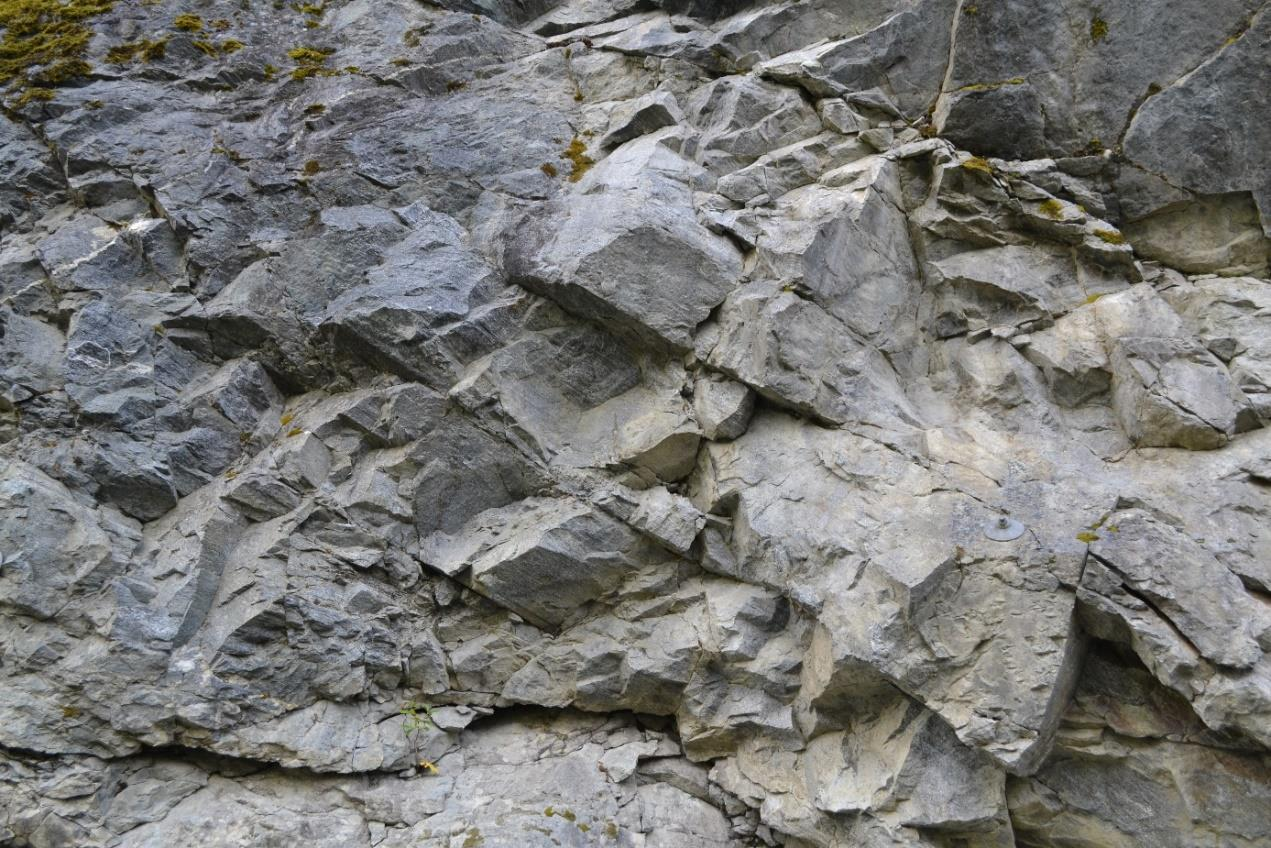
(1004, 532)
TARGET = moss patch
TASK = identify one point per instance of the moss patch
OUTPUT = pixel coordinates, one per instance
(1051, 209)
(43, 45)
(975, 163)
(577, 156)
(310, 62)
(989, 86)
(1098, 28)
(188, 23)
(308, 55)
(145, 50)
(1087, 536)
(1110, 236)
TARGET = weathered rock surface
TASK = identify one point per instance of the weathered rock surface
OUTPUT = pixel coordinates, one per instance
(656, 425)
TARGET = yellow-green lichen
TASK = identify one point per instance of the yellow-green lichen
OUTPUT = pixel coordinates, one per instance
(1091, 298)
(577, 156)
(1087, 536)
(44, 44)
(1110, 236)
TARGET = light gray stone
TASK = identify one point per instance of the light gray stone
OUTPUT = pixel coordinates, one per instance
(476, 423)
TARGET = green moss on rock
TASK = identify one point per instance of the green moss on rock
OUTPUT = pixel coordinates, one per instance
(1098, 29)
(188, 23)
(43, 45)
(577, 156)
(1051, 208)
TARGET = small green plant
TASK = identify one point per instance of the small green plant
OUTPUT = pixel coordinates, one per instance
(418, 721)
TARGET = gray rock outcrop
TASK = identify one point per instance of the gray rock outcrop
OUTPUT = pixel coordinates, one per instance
(488, 424)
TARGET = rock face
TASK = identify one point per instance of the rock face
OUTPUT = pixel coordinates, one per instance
(656, 425)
